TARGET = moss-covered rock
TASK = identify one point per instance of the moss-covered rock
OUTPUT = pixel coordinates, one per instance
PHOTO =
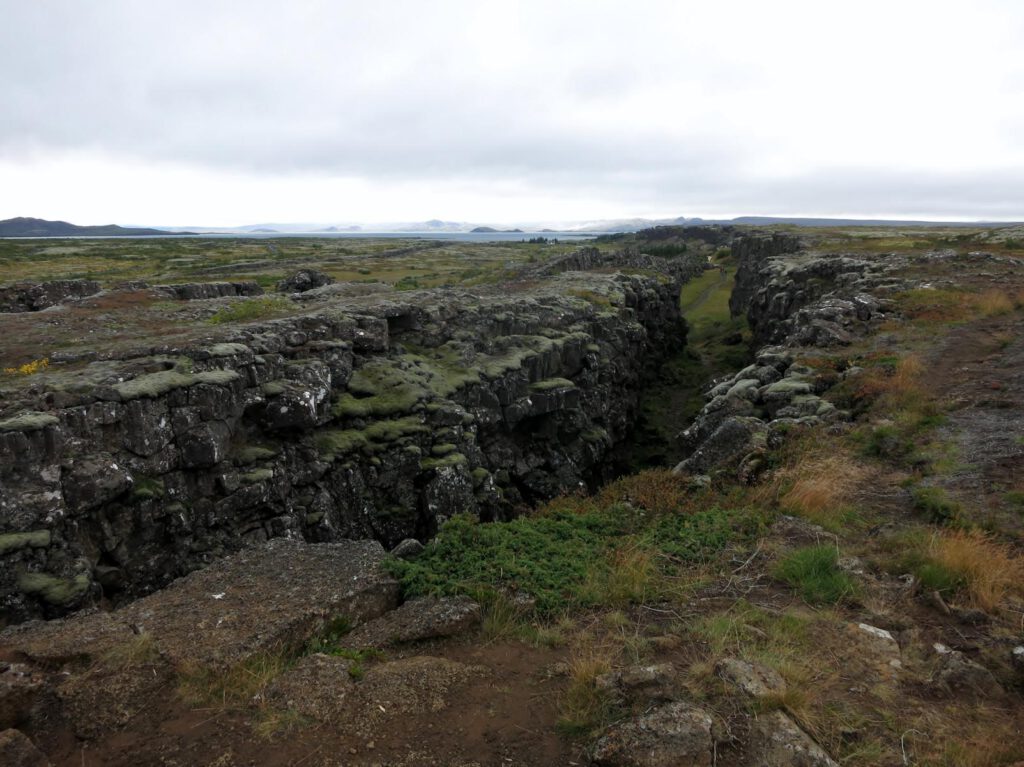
(31, 421)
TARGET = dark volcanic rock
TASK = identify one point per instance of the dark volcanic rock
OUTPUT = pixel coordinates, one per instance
(303, 280)
(34, 297)
(365, 415)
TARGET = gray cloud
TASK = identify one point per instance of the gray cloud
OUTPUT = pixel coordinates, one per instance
(652, 105)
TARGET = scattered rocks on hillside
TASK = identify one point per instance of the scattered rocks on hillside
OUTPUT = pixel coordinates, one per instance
(303, 280)
(417, 619)
(673, 735)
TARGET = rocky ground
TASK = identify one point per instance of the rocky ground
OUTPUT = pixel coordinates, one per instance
(831, 574)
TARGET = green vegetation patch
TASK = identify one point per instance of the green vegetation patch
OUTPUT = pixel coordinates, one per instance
(250, 309)
(813, 571)
(147, 488)
(939, 507)
(562, 558)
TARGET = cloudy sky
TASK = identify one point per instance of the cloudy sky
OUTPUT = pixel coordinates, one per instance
(226, 113)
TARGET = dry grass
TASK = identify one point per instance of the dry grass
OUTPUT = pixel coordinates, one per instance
(633, 575)
(816, 484)
(235, 687)
(994, 302)
(964, 735)
(989, 569)
(900, 385)
(659, 491)
(139, 651)
(584, 707)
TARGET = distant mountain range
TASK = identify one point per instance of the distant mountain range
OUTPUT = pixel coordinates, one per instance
(37, 227)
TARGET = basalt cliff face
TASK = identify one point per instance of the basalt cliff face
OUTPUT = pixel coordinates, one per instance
(367, 414)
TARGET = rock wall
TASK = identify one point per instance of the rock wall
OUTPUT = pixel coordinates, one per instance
(793, 299)
(362, 416)
(36, 296)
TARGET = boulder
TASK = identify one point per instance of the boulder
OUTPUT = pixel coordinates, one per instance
(735, 438)
(417, 619)
(303, 280)
(16, 750)
(673, 735)
(641, 683)
(407, 548)
(752, 679)
(777, 741)
(959, 675)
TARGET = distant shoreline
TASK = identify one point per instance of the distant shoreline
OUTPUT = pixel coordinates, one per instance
(463, 236)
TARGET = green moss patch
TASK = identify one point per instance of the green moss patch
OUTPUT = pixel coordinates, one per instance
(153, 385)
(31, 421)
(36, 539)
(51, 589)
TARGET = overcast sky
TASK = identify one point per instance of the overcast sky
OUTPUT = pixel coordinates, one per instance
(226, 113)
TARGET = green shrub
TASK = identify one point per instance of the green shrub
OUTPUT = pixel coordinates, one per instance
(575, 553)
(939, 507)
(814, 573)
(937, 577)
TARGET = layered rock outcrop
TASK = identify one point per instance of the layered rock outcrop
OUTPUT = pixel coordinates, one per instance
(360, 416)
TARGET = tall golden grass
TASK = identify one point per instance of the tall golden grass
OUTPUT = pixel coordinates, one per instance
(989, 569)
(994, 302)
(818, 485)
